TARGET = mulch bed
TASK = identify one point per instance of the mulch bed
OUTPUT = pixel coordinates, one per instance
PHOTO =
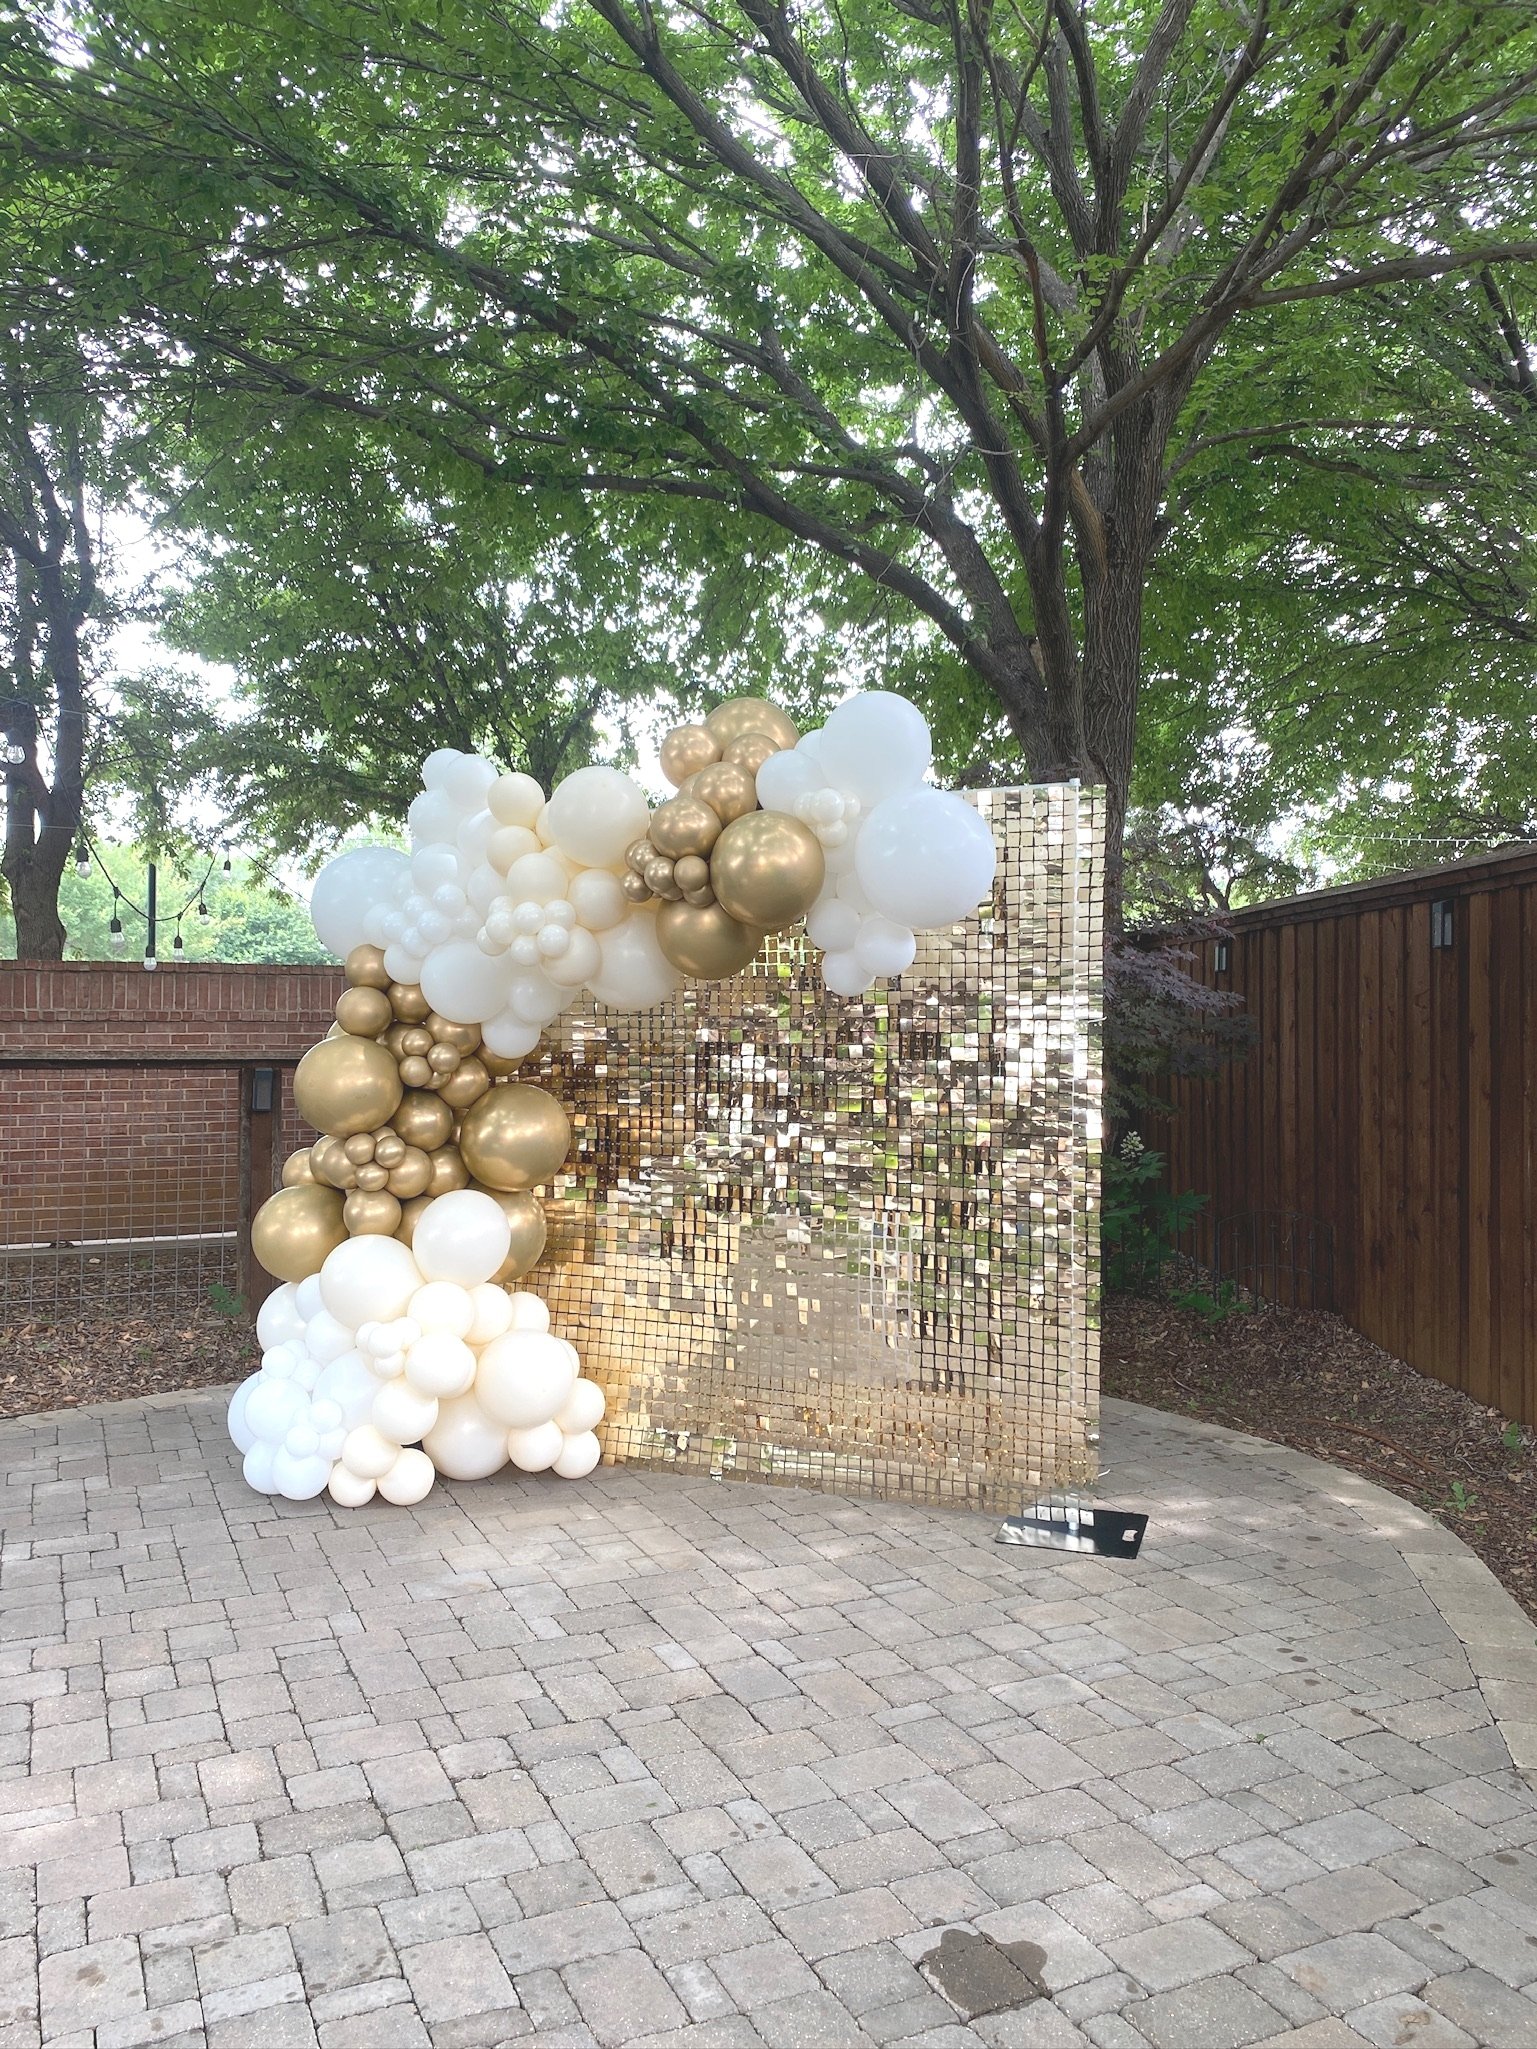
(1305, 1379)
(89, 1359)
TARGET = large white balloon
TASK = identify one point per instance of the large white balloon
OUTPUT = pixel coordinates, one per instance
(788, 776)
(369, 1277)
(462, 983)
(509, 1036)
(874, 745)
(347, 888)
(279, 1318)
(594, 815)
(524, 1379)
(465, 1443)
(926, 858)
(463, 1237)
(242, 1435)
(635, 973)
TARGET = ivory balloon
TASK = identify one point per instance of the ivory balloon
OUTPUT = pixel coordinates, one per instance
(508, 1038)
(686, 750)
(368, 1279)
(367, 1454)
(403, 1412)
(492, 1309)
(635, 973)
(705, 941)
(294, 1230)
(350, 1490)
(583, 1410)
(594, 814)
(442, 1306)
(583, 957)
(535, 1450)
(409, 1479)
(597, 897)
(465, 1443)
(578, 1456)
(739, 715)
(529, 1312)
(346, 1085)
(515, 800)
(526, 1222)
(523, 1379)
(462, 1237)
(515, 1137)
(767, 869)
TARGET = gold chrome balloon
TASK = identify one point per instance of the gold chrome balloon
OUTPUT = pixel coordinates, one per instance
(727, 788)
(423, 1120)
(328, 1157)
(683, 825)
(525, 1217)
(499, 1064)
(389, 1148)
(692, 872)
(298, 1168)
(467, 1084)
(705, 941)
(465, 1036)
(410, 1217)
(416, 1039)
(767, 869)
(372, 1215)
(364, 968)
(346, 1085)
(359, 1148)
(415, 1073)
(363, 1011)
(448, 1171)
(411, 1174)
(739, 715)
(636, 888)
(372, 1177)
(686, 749)
(515, 1137)
(443, 1059)
(408, 1002)
(749, 751)
(292, 1233)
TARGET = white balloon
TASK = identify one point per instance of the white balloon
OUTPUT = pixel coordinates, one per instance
(578, 1456)
(349, 1490)
(492, 1313)
(483, 888)
(874, 745)
(529, 1311)
(257, 1467)
(884, 948)
(432, 819)
(435, 768)
(433, 865)
(474, 837)
(440, 1364)
(240, 1432)
(598, 898)
(464, 1443)
(434, 927)
(468, 779)
(368, 1277)
(515, 800)
(634, 972)
(461, 983)
(273, 1407)
(523, 1379)
(348, 888)
(850, 890)
(307, 1298)
(401, 1413)
(349, 1382)
(462, 1236)
(844, 976)
(510, 843)
(509, 1036)
(401, 964)
(583, 1410)
(832, 925)
(926, 858)
(786, 777)
(442, 1306)
(368, 1454)
(536, 999)
(409, 1480)
(326, 1337)
(535, 1450)
(581, 960)
(278, 1319)
(594, 815)
(299, 1479)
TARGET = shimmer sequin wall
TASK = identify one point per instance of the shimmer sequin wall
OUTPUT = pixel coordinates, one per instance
(850, 1244)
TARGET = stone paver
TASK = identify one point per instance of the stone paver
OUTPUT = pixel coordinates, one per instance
(654, 1761)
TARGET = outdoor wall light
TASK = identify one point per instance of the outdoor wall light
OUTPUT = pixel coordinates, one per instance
(1222, 956)
(1441, 924)
(15, 753)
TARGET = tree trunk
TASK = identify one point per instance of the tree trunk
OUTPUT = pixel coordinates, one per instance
(34, 882)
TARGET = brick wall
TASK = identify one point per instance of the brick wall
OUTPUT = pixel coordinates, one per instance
(120, 1091)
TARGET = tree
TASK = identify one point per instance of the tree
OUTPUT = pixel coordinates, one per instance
(953, 295)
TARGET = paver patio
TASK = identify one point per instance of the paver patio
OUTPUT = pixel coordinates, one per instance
(643, 1759)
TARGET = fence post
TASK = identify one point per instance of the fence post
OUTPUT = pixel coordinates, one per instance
(259, 1107)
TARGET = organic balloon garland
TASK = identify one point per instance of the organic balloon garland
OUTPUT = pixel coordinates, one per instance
(397, 1347)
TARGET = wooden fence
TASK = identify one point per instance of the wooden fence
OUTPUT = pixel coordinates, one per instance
(1388, 1104)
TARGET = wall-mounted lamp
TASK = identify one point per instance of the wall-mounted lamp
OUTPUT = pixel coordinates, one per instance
(1222, 956)
(1441, 924)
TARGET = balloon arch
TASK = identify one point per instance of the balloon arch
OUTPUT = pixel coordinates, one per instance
(398, 1346)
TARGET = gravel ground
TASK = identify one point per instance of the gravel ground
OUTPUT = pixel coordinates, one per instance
(1306, 1379)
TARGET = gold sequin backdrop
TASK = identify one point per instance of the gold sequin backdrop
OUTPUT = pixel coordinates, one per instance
(850, 1244)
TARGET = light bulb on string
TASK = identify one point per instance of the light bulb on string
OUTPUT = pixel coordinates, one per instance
(115, 929)
(178, 944)
(82, 860)
(150, 962)
(228, 864)
(202, 908)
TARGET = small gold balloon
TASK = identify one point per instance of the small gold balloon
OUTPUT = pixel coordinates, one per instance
(359, 1148)
(364, 1011)
(375, 1214)
(392, 1038)
(699, 897)
(298, 1168)
(292, 1233)
(739, 715)
(448, 1171)
(410, 1217)
(411, 1174)
(692, 872)
(422, 1120)
(364, 968)
(498, 1064)
(515, 1137)
(636, 888)
(686, 750)
(346, 1085)
(328, 1157)
(408, 1002)
(467, 1084)
(636, 855)
(525, 1218)
(705, 941)
(415, 1073)
(444, 1059)
(416, 1039)
(728, 789)
(465, 1036)
(767, 869)
(750, 752)
(684, 825)
(372, 1177)
(389, 1148)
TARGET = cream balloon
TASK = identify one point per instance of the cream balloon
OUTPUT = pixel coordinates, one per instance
(367, 1454)
(401, 1412)
(463, 1236)
(350, 1490)
(442, 1306)
(515, 800)
(536, 879)
(440, 1365)
(325, 1337)
(582, 959)
(578, 1456)
(535, 1450)
(510, 843)
(510, 1037)
(492, 1313)
(368, 1278)
(409, 1479)
(598, 899)
(523, 1379)
(529, 1311)
(583, 1409)
(465, 1443)
(594, 814)
(635, 973)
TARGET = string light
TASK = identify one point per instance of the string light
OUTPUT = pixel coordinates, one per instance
(115, 930)
(228, 864)
(82, 859)
(202, 907)
(178, 945)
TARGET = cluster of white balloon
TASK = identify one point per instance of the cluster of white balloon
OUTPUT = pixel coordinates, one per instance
(397, 1347)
